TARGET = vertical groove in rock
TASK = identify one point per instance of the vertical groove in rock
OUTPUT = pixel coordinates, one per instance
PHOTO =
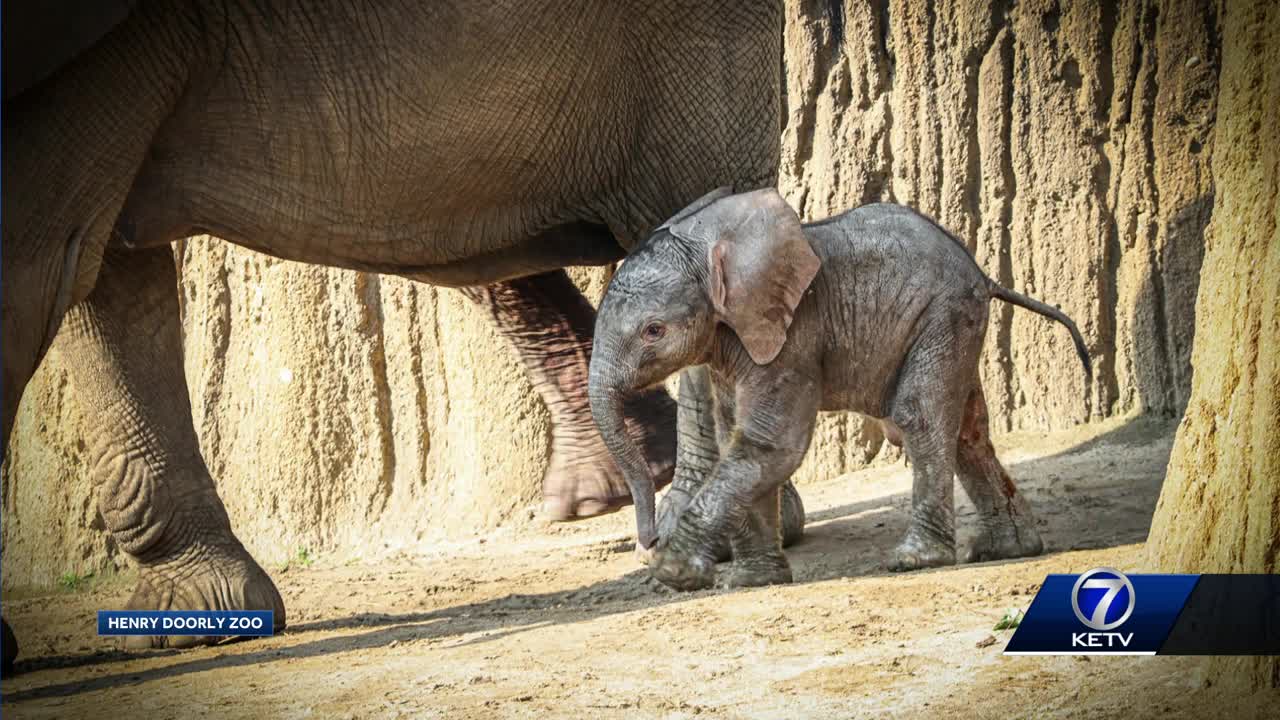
(1106, 389)
(369, 289)
(994, 244)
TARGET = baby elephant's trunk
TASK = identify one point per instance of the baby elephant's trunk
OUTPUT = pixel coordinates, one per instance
(608, 392)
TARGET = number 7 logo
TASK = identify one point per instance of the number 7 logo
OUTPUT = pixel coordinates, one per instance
(1113, 581)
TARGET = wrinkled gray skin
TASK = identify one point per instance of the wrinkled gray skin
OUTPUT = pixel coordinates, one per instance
(460, 143)
(878, 311)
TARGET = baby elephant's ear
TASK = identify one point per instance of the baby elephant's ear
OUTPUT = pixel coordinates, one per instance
(760, 266)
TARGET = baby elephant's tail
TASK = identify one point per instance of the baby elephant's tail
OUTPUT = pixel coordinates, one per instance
(1036, 306)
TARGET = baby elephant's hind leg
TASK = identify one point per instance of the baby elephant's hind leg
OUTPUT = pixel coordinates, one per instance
(928, 406)
(929, 420)
(1008, 529)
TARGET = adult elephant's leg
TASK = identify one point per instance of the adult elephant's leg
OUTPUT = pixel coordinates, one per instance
(155, 493)
(71, 150)
(550, 324)
(698, 454)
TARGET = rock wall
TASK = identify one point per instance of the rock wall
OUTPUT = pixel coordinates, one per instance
(1068, 145)
(1219, 510)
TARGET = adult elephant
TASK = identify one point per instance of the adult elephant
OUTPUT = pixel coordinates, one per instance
(481, 144)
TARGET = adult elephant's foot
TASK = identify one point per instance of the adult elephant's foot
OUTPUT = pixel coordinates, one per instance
(9, 650)
(680, 495)
(220, 576)
(582, 479)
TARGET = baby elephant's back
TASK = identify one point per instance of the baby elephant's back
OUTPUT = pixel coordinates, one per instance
(898, 249)
(888, 274)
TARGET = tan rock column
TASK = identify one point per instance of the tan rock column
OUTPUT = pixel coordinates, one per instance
(1220, 507)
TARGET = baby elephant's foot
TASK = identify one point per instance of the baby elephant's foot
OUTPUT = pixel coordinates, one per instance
(1007, 540)
(682, 571)
(757, 571)
(685, 560)
(918, 551)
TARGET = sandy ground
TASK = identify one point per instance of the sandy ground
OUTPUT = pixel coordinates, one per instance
(560, 621)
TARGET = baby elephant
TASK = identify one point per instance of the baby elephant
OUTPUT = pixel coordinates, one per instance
(878, 310)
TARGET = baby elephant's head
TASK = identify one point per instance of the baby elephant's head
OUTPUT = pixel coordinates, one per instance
(741, 260)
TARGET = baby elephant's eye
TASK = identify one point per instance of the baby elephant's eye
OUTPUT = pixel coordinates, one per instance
(653, 332)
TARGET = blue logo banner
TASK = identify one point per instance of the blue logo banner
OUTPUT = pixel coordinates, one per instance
(252, 623)
(1102, 612)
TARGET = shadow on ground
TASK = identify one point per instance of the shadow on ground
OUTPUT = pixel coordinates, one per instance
(1096, 494)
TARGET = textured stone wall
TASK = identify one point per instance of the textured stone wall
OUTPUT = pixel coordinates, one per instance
(1219, 510)
(1068, 144)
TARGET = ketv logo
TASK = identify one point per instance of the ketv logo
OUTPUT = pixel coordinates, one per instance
(1101, 612)
(1103, 599)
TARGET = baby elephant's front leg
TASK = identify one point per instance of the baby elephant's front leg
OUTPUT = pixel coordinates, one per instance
(757, 551)
(686, 560)
(723, 509)
(740, 499)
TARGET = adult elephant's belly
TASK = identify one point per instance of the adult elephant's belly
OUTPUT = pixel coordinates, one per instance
(455, 259)
(458, 172)
(425, 228)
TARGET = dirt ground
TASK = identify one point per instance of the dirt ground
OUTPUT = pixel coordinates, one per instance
(560, 621)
